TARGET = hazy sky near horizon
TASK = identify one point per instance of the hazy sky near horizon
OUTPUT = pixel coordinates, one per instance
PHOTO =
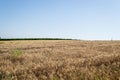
(81, 19)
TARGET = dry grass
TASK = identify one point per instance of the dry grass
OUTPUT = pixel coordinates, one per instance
(60, 60)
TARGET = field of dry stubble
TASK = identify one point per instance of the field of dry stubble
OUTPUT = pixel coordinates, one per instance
(59, 60)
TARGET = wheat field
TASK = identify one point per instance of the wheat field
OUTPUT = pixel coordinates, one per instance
(59, 60)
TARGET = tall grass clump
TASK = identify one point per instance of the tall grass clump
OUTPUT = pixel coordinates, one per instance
(16, 56)
(16, 52)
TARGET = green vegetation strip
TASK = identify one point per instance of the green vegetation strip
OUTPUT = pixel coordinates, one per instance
(8, 39)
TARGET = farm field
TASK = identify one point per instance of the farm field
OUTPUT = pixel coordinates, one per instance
(59, 60)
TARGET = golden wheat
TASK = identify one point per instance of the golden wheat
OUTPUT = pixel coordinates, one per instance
(60, 60)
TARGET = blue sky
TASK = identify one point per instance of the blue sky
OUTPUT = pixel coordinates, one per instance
(80, 19)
